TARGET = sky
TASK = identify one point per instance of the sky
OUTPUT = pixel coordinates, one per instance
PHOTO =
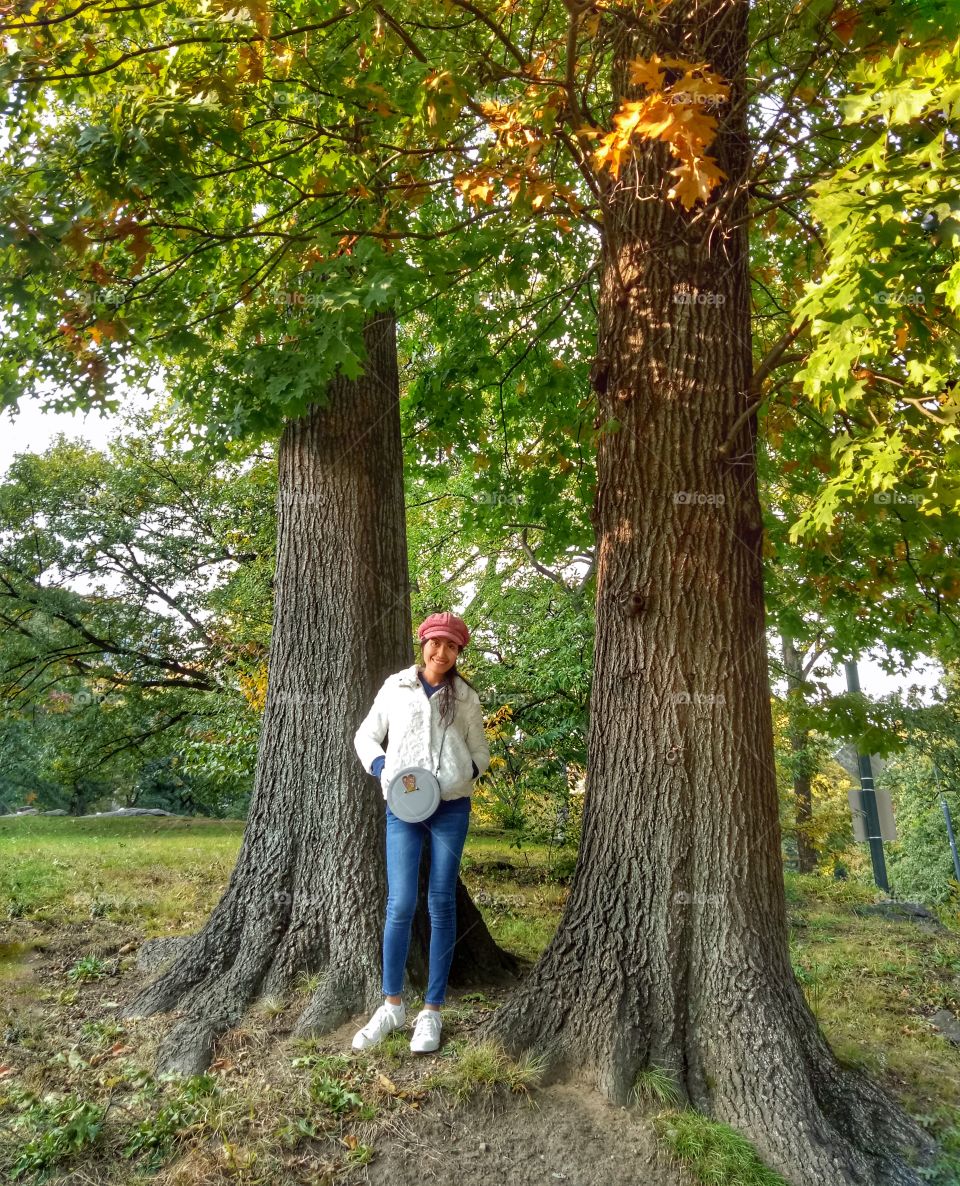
(33, 429)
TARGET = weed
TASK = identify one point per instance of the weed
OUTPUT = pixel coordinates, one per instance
(100, 1033)
(330, 1093)
(88, 968)
(56, 1129)
(188, 1111)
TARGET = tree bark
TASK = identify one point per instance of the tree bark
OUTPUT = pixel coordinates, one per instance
(673, 947)
(308, 892)
(799, 747)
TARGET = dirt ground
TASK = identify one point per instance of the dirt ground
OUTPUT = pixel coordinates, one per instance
(554, 1133)
(562, 1134)
(557, 1133)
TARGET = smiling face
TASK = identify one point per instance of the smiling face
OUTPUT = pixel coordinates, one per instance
(439, 655)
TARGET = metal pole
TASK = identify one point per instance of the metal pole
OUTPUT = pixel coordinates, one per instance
(868, 798)
(945, 807)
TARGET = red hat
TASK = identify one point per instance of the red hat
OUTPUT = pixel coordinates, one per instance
(444, 626)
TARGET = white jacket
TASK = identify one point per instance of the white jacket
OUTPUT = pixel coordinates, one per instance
(403, 710)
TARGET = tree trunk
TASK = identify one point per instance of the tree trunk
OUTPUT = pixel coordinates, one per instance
(672, 951)
(308, 893)
(799, 747)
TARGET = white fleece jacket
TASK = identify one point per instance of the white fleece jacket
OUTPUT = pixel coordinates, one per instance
(412, 719)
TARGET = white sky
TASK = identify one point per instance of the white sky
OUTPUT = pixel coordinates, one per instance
(32, 430)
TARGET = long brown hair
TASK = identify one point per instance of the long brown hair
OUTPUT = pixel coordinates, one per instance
(447, 691)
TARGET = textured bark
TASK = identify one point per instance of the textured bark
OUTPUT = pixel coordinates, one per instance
(673, 947)
(799, 742)
(308, 893)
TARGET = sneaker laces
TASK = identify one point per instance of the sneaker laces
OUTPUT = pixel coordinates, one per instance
(427, 1020)
(373, 1026)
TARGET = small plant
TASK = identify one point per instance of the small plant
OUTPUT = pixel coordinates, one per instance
(360, 1155)
(99, 1033)
(308, 982)
(88, 968)
(331, 1094)
(62, 1127)
(187, 1111)
(294, 1130)
(271, 1006)
(714, 1152)
(656, 1084)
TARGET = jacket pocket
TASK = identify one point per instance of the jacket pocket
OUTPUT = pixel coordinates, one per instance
(461, 763)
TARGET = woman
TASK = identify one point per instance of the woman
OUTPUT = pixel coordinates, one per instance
(434, 719)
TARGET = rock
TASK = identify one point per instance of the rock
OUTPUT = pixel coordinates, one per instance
(55, 811)
(944, 1022)
(915, 911)
(131, 811)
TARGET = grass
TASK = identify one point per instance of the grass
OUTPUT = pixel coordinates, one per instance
(655, 1085)
(87, 1098)
(713, 1152)
(481, 1068)
(162, 874)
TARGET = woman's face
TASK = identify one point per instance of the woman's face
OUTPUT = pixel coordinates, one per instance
(440, 653)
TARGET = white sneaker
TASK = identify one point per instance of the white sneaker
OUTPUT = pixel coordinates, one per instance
(426, 1033)
(386, 1019)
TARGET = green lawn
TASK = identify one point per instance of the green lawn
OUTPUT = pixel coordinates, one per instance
(69, 888)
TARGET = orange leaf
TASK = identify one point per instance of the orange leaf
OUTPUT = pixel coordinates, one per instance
(696, 178)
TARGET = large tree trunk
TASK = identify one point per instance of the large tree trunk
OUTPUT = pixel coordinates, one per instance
(799, 748)
(308, 892)
(673, 947)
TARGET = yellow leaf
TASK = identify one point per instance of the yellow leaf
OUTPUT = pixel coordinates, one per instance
(646, 72)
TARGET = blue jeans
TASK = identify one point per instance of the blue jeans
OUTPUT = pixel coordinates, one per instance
(447, 828)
